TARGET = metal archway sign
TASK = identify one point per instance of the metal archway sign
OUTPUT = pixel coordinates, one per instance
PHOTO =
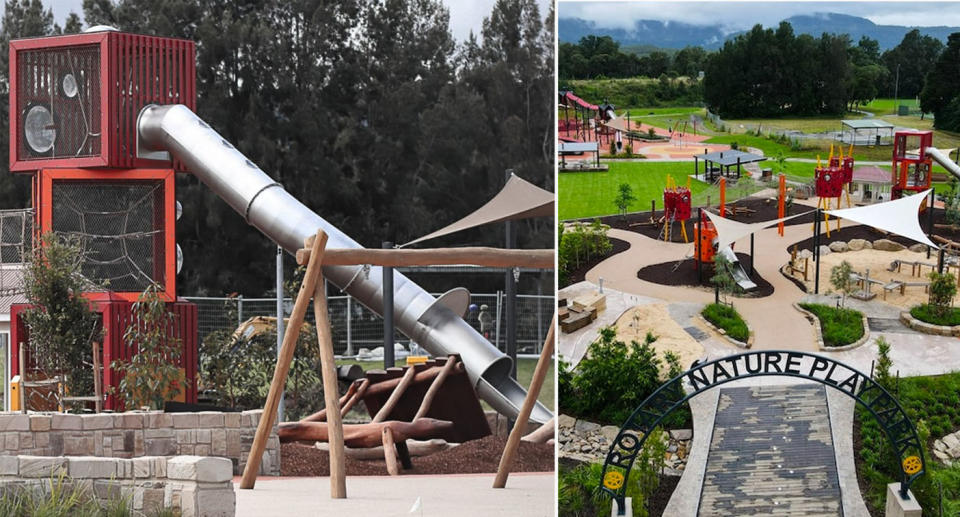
(900, 431)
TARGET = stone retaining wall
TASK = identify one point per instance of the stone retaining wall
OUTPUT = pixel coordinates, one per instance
(137, 434)
(194, 485)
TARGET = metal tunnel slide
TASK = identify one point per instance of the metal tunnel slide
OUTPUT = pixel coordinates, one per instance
(176, 130)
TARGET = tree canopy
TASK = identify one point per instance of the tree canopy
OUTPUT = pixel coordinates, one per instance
(370, 113)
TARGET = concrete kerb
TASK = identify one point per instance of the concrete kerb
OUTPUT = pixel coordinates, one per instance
(928, 328)
(819, 331)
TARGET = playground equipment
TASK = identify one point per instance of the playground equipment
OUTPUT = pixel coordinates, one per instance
(676, 207)
(705, 252)
(582, 116)
(74, 100)
(833, 181)
(911, 163)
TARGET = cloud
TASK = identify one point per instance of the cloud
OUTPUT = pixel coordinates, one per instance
(468, 15)
(735, 16)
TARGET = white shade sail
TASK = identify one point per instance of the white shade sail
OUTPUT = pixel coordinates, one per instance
(730, 231)
(900, 217)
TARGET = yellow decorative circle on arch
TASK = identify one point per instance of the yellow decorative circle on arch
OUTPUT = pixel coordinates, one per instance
(613, 480)
(912, 465)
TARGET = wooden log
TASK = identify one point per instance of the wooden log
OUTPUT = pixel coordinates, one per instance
(328, 372)
(97, 377)
(417, 448)
(435, 387)
(395, 396)
(361, 391)
(321, 416)
(389, 451)
(542, 434)
(290, 336)
(476, 256)
(513, 441)
(422, 376)
(365, 435)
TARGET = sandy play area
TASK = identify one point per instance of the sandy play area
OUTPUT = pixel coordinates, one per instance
(634, 324)
(878, 263)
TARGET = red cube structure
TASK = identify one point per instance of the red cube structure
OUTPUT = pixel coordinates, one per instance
(829, 182)
(911, 167)
(74, 99)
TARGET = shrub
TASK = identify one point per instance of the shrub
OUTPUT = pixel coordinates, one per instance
(723, 277)
(839, 326)
(734, 145)
(930, 314)
(728, 319)
(943, 287)
(152, 375)
(60, 322)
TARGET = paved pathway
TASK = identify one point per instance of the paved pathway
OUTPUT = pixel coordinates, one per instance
(771, 453)
(526, 494)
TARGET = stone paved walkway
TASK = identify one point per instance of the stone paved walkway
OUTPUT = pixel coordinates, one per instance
(771, 453)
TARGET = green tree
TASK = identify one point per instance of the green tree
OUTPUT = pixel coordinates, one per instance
(840, 280)
(941, 86)
(943, 288)
(722, 277)
(60, 323)
(884, 363)
(916, 55)
(152, 375)
(624, 198)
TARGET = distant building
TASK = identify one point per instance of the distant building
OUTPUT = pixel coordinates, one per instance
(870, 184)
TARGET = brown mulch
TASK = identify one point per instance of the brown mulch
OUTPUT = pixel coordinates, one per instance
(579, 274)
(764, 211)
(475, 456)
(667, 273)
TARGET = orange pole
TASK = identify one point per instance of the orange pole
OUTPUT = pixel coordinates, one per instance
(781, 203)
(723, 196)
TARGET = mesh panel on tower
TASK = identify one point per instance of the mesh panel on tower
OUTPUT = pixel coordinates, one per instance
(58, 102)
(120, 226)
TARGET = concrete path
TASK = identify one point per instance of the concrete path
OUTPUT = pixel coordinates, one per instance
(771, 453)
(526, 494)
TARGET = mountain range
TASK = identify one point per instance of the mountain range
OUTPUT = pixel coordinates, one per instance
(678, 35)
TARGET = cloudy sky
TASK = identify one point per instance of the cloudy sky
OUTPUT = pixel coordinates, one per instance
(465, 15)
(743, 15)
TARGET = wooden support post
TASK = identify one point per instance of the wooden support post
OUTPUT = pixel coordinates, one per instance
(395, 396)
(361, 391)
(290, 335)
(435, 387)
(390, 452)
(97, 378)
(513, 441)
(328, 370)
(23, 377)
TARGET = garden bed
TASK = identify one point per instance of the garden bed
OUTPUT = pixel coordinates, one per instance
(476, 456)
(837, 328)
(684, 273)
(926, 314)
(727, 319)
(578, 503)
(580, 273)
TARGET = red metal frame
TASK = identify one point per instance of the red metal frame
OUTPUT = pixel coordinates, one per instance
(901, 166)
(116, 314)
(43, 207)
(172, 62)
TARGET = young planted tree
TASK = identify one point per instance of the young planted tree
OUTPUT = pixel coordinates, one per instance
(60, 322)
(840, 280)
(624, 198)
(152, 375)
(943, 287)
(884, 363)
(723, 279)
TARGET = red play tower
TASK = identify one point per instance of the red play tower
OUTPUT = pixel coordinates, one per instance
(74, 102)
(911, 167)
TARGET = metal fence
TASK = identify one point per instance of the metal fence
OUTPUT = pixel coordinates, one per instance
(355, 327)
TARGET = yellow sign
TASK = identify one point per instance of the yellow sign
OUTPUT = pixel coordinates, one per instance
(613, 480)
(912, 465)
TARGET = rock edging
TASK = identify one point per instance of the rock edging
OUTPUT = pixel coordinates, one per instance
(818, 330)
(928, 328)
(724, 335)
(590, 442)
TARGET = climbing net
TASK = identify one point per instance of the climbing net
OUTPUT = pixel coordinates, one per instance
(16, 240)
(119, 226)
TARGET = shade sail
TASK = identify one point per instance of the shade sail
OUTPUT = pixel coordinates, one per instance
(900, 217)
(730, 231)
(518, 199)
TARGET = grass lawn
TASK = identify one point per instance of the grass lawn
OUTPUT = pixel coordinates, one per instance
(804, 124)
(839, 326)
(525, 369)
(888, 106)
(677, 110)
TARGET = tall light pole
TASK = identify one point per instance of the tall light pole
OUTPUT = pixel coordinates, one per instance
(896, 92)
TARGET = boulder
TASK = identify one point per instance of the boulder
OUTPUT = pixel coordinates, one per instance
(566, 421)
(824, 250)
(887, 245)
(857, 244)
(838, 246)
(681, 434)
(805, 254)
(918, 248)
(583, 426)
